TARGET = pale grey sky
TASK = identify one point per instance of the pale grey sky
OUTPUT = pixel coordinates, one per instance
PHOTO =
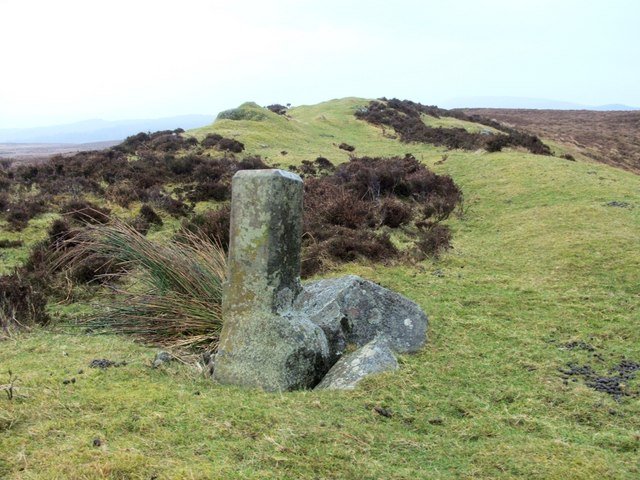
(69, 60)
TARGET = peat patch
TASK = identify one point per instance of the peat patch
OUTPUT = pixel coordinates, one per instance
(614, 381)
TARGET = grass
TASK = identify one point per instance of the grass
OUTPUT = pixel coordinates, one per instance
(450, 122)
(35, 232)
(176, 295)
(311, 131)
(539, 261)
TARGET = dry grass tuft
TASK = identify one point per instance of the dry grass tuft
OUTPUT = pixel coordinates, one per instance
(177, 293)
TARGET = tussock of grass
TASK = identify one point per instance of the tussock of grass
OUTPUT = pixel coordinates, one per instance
(177, 296)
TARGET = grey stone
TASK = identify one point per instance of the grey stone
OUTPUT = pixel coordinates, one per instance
(207, 361)
(263, 343)
(161, 358)
(352, 310)
(374, 357)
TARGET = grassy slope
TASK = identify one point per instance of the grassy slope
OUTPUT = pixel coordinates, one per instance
(539, 260)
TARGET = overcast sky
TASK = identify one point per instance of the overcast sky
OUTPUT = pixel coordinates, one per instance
(67, 60)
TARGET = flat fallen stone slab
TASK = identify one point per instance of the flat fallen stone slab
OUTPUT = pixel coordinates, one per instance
(375, 357)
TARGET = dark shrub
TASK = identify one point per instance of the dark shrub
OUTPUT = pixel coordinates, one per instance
(4, 202)
(211, 140)
(405, 117)
(10, 243)
(347, 147)
(344, 209)
(20, 212)
(21, 303)
(150, 215)
(277, 108)
(345, 245)
(433, 238)
(251, 163)
(167, 142)
(230, 145)
(183, 166)
(123, 193)
(59, 234)
(214, 170)
(496, 143)
(330, 204)
(5, 164)
(86, 212)
(18, 217)
(132, 143)
(145, 219)
(217, 191)
(174, 207)
(348, 245)
(393, 212)
(140, 225)
(318, 168)
(95, 268)
(324, 166)
(213, 224)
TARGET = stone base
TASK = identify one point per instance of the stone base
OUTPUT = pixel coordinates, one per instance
(275, 353)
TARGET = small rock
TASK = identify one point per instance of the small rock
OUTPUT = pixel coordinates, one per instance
(375, 357)
(208, 363)
(97, 442)
(161, 358)
(104, 363)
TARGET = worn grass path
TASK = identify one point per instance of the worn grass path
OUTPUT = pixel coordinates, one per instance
(539, 261)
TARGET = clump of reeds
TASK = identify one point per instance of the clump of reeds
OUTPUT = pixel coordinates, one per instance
(177, 293)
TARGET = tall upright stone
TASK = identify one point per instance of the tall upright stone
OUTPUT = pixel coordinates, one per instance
(264, 343)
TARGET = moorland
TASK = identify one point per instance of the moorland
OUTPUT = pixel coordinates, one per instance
(609, 137)
(522, 246)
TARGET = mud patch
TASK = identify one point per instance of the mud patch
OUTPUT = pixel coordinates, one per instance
(614, 382)
(617, 204)
(578, 345)
(104, 363)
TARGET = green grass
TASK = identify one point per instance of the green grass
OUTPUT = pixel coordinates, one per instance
(35, 232)
(311, 131)
(450, 122)
(539, 260)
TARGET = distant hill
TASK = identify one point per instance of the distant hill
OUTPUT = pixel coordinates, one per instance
(528, 103)
(90, 131)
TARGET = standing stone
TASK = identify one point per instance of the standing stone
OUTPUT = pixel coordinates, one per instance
(263, 342)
